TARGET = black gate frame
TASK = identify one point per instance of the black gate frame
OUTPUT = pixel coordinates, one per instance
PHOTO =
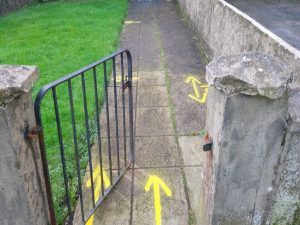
(126, 83)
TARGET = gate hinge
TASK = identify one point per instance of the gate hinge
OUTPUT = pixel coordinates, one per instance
(126, 85)
(33, 132)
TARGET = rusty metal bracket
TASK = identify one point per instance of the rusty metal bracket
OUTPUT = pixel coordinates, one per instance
(33, 132)
(126, 85)
(208, 143)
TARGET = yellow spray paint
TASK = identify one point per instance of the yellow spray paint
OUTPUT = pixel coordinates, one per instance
(157, 183)
(128, 22)
(119, 79)
(97, 190)
(195, 84)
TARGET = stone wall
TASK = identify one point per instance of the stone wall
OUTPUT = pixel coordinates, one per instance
(246, 114)
(7, 6)
(22, 188)
(226, 30)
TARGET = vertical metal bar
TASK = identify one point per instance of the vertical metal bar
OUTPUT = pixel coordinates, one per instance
(87, 129)
(38, 119)
(107, 120)
(116, 114)
(98, 130)
(124, 113)
(62, 152)
(129, 61)
(76, 148)
(131, 131)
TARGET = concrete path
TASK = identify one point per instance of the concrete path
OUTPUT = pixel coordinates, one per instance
(169, 103)
(281, 17)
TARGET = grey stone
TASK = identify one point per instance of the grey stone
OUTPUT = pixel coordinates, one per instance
(294, 106)
(15, 81)
(22, 199)
(250, 73)
(287, 195)
(247, 133)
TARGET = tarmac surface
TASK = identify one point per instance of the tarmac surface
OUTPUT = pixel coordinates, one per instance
(169, 111)
(281, 17)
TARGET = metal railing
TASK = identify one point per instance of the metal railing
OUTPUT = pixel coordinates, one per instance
(126, 110)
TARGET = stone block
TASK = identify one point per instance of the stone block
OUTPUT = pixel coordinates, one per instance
(246, 119)
(22, 197)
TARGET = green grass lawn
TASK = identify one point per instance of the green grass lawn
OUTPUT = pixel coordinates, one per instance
(61, 37)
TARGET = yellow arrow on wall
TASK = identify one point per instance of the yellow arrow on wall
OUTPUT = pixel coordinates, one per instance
(97, 179)
(157, 183)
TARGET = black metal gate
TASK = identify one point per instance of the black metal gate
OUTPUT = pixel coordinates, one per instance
(113, 134)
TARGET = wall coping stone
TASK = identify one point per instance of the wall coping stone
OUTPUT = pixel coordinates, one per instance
(16, 80)
(250, 73)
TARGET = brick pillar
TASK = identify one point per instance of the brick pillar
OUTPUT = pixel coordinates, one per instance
(22, 196)
(246, 119)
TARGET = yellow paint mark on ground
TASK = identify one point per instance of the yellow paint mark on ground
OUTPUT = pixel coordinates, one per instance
(197, 84)
(127, 22)
(157, 183)
(119, 79)
(97, 190)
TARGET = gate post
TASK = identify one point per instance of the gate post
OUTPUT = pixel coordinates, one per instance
(246, 120)
(22, 197)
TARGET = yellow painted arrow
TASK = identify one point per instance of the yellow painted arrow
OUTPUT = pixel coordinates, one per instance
(196, 95)
(157, 184)
(119, 79)
(97, 179)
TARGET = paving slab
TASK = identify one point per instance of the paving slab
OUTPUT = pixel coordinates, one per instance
(154, 121)
(111, 96)
(153, 64)
(151, 96)
(112, 122)
(182, 54)
(151, 78)
(174, 209)
(189, 97)
(116, 207)
(118, 199)
(186, 69)
(193, 154)
(156, 152)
